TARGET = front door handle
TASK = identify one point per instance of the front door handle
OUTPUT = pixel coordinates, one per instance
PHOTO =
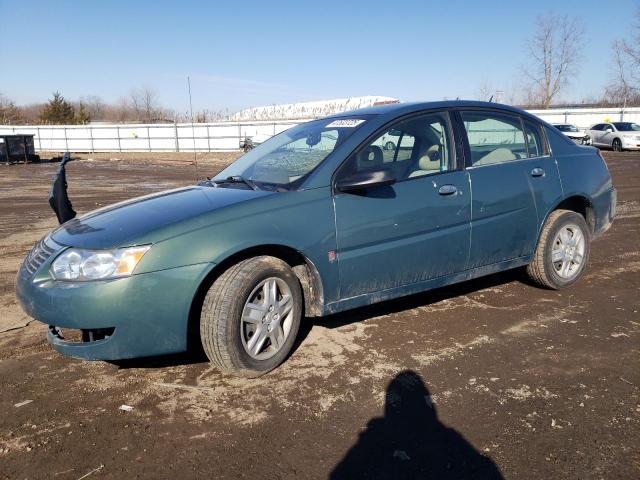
(537, 172)
(447, 190)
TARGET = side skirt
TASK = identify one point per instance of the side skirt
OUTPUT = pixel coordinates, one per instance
(404, 290)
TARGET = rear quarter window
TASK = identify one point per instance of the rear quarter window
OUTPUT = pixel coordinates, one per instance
(559, 143)
(535, 139)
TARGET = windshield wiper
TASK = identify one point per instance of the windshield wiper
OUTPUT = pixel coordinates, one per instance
(241, 179)
(235, 179)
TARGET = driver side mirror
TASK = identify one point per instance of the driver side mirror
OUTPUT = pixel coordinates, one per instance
(363, 180)
(608, 130)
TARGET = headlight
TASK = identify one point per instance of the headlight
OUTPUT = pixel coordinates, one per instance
(85, 265)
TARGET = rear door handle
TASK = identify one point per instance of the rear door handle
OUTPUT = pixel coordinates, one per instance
(537, 172)
(447, 190)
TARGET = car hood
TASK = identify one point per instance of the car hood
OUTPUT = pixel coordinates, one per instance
(151, 218)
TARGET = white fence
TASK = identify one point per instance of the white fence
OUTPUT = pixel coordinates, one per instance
(585, 117)
(225, 136)
(173, 137)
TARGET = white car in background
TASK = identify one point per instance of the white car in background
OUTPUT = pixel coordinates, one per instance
(574, 133)
(616, 135)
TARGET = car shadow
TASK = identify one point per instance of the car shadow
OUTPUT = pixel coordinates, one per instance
(410, 442)
(190, 357)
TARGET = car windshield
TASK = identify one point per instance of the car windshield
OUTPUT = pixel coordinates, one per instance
(567, 128)
(627, 126)
(282, 162)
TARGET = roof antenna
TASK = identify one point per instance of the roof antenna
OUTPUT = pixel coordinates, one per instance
(193, 132)
(491, 99)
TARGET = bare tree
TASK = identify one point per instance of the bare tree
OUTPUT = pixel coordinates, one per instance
(514, 93)
(144, 102)
(632, 48)
(485, 91)
(623, 89)
(119, 111)
(139, 105)
(31, 112)
(9, 112)
(95, 106)
(554, 53)
(625, 85)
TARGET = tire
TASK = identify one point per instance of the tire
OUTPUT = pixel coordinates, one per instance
(555, 244)
(616, 145)
(389, 146)
(227, 334)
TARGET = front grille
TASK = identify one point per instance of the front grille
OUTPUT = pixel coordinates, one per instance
(39, 254)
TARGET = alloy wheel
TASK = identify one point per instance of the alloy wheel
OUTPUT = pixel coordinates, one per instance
(567, 254)
(266, 319)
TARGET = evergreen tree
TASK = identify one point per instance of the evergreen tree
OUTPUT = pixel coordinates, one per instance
(58, 111)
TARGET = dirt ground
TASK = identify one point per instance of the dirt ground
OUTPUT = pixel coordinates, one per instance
(489, 378)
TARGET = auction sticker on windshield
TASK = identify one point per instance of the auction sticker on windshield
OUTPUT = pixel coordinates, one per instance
(348, 123)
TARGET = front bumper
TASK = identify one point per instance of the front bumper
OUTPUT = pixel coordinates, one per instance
(144, 315)
(580, 139)
(631, 144)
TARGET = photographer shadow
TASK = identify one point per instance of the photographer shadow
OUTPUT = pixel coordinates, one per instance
(409, 442)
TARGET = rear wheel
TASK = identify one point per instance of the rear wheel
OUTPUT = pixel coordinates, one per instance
(250, 316)
(562, 251)
(616, 145)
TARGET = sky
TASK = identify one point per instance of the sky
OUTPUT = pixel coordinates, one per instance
(249, 53)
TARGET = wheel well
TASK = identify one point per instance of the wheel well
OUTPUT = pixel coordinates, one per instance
(304, 269)
(582, 206)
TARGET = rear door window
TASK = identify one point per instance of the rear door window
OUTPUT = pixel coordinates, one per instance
(494, 137)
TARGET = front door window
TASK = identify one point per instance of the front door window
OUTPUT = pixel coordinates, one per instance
(412, 148)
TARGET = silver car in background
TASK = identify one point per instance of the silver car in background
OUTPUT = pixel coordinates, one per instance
(574, 133)
(618, 136)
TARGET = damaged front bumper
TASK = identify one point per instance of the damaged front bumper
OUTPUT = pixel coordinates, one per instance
(137, 316)
(580, 139)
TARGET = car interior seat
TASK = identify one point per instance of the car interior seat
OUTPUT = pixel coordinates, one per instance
(498, 155)
(429, 162)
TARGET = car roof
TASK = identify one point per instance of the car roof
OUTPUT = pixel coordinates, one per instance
(397, 109)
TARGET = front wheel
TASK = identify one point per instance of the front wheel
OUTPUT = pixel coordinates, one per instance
(250, 316)
(562, 251)
(616, 145)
